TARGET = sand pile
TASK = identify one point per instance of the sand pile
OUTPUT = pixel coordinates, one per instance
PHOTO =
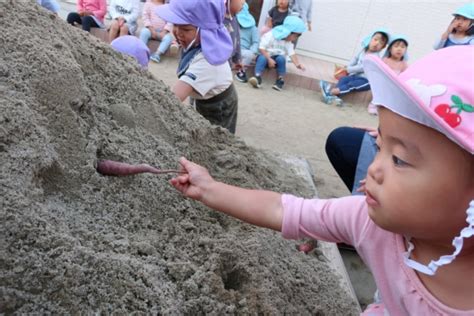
(73, 241)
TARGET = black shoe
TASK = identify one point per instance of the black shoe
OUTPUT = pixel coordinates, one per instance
(241, 76)
(278, 84)
(256, 81)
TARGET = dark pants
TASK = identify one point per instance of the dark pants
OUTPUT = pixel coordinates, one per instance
(222, 109)
(86, 21)
(352, 83)
(342, 148)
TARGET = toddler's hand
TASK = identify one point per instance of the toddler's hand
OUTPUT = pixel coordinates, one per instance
(362, 187)
(193, 183)
(238, 66)
(451, 26)
(301, 66)
(271, 63)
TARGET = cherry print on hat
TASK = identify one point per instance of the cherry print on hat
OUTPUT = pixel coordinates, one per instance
(453, 118)
(433, 91)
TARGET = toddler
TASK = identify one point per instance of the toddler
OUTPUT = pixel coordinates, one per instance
(274, 47)
(396, 58)
(157, 29)
(277, 15)
(356, 80)
(232, 8)
(461, 29)
(249, 41)
(204, 72)
(90, 13)
(410, 228)
(124, 14)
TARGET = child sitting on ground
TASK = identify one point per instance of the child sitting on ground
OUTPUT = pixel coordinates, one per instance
(156, 28)
(274, 47)
(124, 14)
(419, 191)
(249, 41)
(204, 72)
(277, 15)
(90, 13)
(356, 80)
(396, 58)
(461, 29)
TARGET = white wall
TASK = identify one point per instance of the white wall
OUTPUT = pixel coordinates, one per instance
(340, 25)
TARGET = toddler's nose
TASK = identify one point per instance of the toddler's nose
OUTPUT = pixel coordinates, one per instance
(375, 170)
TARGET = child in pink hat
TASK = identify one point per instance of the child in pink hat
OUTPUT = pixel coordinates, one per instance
(414, 228)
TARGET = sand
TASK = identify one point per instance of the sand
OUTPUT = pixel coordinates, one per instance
(73, 241)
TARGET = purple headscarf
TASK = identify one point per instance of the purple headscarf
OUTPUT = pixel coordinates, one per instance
(208, 16)
(134, 47)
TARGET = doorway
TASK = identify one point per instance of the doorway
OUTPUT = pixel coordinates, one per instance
(255, 8)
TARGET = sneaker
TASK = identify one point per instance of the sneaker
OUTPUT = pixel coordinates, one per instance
(372, 109)
(241, 76)
(328, 99)
(256, 81)
(338, 101)
(174, 48)
(278, 84)
(325, 88)
(155, 57)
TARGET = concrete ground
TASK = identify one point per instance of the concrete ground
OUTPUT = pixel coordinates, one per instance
(296, 122)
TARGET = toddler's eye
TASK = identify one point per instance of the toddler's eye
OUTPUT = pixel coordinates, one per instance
(398, 162)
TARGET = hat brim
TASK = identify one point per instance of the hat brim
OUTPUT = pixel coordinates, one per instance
(166, 13)
(397, 96)
(245, 22)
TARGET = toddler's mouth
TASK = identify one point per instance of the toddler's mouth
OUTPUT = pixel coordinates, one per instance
(371, 200)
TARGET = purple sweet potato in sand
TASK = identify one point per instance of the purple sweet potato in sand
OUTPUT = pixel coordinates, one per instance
(115, 168)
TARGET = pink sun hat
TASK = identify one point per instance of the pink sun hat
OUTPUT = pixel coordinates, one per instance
(436, 91)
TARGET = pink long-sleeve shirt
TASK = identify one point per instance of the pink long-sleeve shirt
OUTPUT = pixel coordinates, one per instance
(97, 7)
(150, 18)
(346, 220)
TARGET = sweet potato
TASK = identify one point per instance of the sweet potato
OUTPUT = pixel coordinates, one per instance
(115, 168)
